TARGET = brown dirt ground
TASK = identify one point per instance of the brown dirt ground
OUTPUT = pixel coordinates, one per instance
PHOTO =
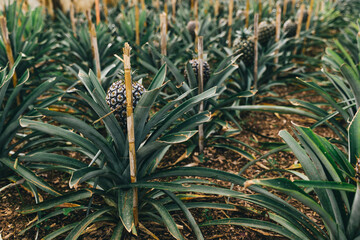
(259, 127)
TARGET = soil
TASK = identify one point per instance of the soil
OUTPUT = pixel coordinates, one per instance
(259, 128)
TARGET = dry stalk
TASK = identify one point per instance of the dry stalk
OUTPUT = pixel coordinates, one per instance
(97, 10)
(72, 18)
(260, 8)
(163, 26)
(256, 49)
(137, 22)
(216, 7)
(143, 6)
(9, 53)
(130, 127)
(106, 11)
(94, 45)
(231, 9)
(173, 4)
(285, 7)
(299, 22)
(247, 10)
(293, 3)
(201, 89)
(278, 30)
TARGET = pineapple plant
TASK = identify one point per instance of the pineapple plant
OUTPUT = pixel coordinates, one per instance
(289, 28)
(267, 30)
(244, 45)
(116, 98)
(196, 67)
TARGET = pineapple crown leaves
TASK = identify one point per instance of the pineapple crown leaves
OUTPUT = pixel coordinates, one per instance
(243, 33)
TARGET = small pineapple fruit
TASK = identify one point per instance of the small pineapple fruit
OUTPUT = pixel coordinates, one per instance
(289, 28)
(245, 46)
(116, 98)
(191, 27)
(267, 30)
(196, 67)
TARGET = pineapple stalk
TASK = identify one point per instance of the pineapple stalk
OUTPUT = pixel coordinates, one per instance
(137, 26)
(9, 53)
(309, 14)
(163, 23)
(130, 127)
(173, 3)
(256, 53)
(106, 12)
(94, 45)
(300, 19)
(285, 7)
(196, 14)
(247, 10)
(260, 8)
(72, 18)
(97, 10)
(293, 2)
(165, 7)
(143, 6)
(231, 9)
(277, 31)
(201, 89)
(216, 8)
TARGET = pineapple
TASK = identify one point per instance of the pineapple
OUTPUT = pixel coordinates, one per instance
(191, 27)
(289, 28)
(245, 45)
(267, 30)
(116, 98)
(195, 66)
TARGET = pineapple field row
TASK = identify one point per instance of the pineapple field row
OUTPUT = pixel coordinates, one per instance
(213, 119)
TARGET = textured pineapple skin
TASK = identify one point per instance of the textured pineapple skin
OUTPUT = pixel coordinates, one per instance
(196, 67)
(116, 98)
(266, 32)
(246, 47)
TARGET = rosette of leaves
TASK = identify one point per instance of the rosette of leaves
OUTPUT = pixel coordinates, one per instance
(108, 152)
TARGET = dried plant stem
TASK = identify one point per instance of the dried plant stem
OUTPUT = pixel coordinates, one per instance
(231, 9)
(216, 7)
(277, 33)
(143, 6)
(106, 11)
(299, 22)
(285, 7)
(166, 7)
(72, 18)
(260, 8)
(247, 13)
(293, 3)
(173, 4)
(163, 27)
(97, 11)
(9, 53)
(201, 89)
(196, 14)
(309, 14)
(137, 22)
(130, 127)
(256, 52)
(94, 45)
